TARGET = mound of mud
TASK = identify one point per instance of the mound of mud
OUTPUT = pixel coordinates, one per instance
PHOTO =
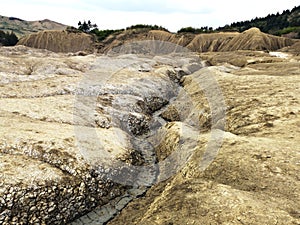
(59, 41)
(252, 39)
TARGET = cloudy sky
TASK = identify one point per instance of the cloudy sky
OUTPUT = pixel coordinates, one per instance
(171, 14)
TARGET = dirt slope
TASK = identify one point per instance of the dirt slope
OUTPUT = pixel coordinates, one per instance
(59, 41)
(252, 39)
(295, 48)
(63, 41)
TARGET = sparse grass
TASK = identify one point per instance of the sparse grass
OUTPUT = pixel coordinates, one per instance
(289, 30)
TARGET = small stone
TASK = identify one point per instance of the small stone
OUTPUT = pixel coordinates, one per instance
(171, 114)
(33, 209)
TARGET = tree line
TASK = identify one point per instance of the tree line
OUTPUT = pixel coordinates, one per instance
(196, 30)
(276, 24)
(89, 27)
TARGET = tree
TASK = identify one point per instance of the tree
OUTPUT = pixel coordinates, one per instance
(146, 26)
(8, 39)
(86, 27)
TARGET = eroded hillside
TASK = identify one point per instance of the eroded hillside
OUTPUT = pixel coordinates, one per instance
(59, 41)
(252, 39)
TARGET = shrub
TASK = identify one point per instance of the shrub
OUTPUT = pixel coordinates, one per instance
(8, 39)
(196, 30)
(146, 26)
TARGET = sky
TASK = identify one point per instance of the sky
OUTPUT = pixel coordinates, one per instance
(171, 14)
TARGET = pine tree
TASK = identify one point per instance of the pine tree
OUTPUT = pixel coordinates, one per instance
(86, 26)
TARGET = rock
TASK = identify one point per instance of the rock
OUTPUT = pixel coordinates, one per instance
(171, 114)
(155, 103)
(138, 124)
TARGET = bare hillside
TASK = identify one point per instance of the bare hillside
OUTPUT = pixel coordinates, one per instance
(252, 39)
(59, 41)
(65, 41)
(22, 27)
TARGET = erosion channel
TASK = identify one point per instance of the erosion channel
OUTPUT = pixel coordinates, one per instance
(143, 101)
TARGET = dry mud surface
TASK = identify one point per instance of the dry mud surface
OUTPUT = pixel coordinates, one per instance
(254, 179)
(71, 125)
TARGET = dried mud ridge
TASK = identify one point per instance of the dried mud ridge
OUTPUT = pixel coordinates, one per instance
(47, 177)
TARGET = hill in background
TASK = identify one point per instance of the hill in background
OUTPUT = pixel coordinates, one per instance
(46, 34)
(22, 27)
(67, 41)
(285, 24)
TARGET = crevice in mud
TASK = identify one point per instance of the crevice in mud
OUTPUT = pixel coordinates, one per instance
(142, 138)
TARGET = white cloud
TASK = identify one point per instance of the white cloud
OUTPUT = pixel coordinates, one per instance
(158, 6)
(172, 14)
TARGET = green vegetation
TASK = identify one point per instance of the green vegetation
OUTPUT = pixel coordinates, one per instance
(196, 30)
(86, 26)
(288, 30)
(8, 39)
(102, 34)
(288, 22)
(276, 24)
(90, 28)
(146, 26)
